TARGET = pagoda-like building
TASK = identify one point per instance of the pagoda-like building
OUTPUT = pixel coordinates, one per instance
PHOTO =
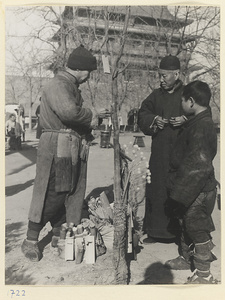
(152, 32)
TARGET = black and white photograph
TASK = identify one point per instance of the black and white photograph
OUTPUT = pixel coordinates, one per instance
(112, 146)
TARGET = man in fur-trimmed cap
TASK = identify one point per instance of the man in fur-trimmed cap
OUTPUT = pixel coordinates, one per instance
(161, 117)
(61, 170)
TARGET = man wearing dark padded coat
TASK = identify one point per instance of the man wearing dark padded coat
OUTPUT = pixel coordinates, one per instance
(161, 116)
(60, 182)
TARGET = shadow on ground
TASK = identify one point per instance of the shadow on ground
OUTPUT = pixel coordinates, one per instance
(45, 241)
(17, 275)
(29, 152)
(14, 189)
(97, 191)
(13, 233)
(157, 273)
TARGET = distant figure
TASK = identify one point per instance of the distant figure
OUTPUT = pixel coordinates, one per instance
(120, 120)
(21, 120)
(132, 119)
(13, 133)
(39, 128)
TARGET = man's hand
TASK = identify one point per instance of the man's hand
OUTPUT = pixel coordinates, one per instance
(177, 121)
(94, 122)
(89, 137)
(160, 122)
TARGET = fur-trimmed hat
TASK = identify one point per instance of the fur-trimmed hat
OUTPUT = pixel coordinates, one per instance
(82, 59)
(170, 63)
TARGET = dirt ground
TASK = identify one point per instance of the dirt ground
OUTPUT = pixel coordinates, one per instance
(148, 269)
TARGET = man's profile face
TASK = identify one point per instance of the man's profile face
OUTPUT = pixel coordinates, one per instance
(168, 78)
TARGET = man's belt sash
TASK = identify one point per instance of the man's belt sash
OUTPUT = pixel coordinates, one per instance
(70, 131)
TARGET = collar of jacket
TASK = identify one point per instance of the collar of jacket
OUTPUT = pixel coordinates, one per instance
(69, 76)
(177, 86)
(204, 114)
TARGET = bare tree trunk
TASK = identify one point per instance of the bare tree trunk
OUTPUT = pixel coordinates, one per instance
(119, 243)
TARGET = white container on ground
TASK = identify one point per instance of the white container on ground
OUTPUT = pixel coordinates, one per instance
(69, 248)
(89, 249)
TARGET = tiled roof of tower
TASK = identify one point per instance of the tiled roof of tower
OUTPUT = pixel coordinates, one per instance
(155, 12)
(145, 11)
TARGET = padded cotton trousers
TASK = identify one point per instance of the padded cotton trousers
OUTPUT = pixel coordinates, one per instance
(54, 210)
(196, 227)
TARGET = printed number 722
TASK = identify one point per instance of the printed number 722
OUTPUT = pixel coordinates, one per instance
(17, 293)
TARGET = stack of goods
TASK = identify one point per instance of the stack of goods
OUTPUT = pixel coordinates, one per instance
(80, 243)
(101, 214)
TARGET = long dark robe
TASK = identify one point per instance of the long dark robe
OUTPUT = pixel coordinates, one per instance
(165, 104)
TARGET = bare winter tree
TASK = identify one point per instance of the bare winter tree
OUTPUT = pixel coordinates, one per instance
(25, 80)
(119, 245)
(201, 40)
(192, 33)
(28, 59)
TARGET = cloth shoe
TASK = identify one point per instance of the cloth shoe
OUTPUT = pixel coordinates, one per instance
(179, 263)
(195, 279)
(30, 250)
